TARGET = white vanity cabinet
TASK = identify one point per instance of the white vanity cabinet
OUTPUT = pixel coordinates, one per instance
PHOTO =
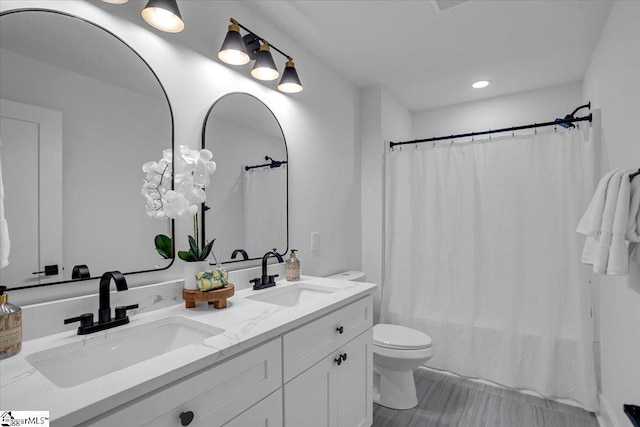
(210, 398)
(318, 374)
(328, 369)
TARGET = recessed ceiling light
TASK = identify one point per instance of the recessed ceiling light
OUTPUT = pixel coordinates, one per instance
(480, 84)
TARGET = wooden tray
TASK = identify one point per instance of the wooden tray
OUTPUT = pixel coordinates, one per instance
(217, 297)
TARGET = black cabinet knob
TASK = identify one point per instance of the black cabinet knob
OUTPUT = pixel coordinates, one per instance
(344, 357)
(186, 418)
(340, 329)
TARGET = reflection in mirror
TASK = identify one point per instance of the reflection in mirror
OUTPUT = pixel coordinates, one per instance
(81, 113)
(247, 202)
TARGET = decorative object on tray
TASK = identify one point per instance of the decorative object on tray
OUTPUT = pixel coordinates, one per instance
(218, 296)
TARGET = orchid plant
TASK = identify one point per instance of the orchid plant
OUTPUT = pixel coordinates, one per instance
(192, 170)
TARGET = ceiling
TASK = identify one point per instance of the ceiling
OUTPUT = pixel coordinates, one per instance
(429, 59)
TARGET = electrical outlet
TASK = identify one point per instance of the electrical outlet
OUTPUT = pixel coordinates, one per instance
(315, 241)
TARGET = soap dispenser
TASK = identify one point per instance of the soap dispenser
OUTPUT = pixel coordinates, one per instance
(293, 267)
(10, 327)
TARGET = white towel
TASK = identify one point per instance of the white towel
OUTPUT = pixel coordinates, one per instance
(591, 222)
(5, 244)
(633, 226)
(618, 261)
(605, 223)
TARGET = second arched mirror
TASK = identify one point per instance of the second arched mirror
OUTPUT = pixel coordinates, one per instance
(247, 202)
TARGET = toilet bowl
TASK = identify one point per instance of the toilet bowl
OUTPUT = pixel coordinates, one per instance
(397, 351)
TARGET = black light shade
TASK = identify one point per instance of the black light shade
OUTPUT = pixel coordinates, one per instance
(163, 15)
(264, 68)
(290, 82)
(233, 50)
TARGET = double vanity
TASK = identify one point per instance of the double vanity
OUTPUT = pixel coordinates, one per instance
(295, 354)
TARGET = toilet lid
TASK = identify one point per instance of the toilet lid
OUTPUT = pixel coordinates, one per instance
(399, 337)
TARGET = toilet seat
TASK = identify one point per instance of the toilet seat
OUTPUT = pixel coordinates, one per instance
(399, 337)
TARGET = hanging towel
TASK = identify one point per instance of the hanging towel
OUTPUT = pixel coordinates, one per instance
(591, 221)
(606, 224)
(5, 245)
(633, 226)
(618, 261)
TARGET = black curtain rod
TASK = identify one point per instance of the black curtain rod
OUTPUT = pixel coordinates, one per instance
(568, 119)
(273, 164)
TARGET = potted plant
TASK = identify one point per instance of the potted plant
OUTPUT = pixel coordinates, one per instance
(190, 172)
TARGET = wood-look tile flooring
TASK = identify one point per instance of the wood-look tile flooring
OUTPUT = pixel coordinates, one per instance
(445, 400)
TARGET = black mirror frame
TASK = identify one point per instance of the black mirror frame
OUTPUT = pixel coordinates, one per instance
(204, 208)
(58, 12)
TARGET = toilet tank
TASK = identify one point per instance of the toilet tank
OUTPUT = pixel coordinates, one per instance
(352, 276)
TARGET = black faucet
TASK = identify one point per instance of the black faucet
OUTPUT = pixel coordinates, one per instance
(244, 254)
(266, 281)
(104, 311)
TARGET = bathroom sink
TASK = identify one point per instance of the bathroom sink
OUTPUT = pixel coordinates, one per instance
(294, 295)
(106, 352)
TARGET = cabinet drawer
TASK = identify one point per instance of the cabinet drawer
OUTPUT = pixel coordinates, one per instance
(310, 343)
(214, 396)
(266, 413)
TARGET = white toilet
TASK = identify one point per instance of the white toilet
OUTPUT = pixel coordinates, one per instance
(397, 351)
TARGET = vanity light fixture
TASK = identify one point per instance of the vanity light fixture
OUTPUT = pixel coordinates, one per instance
(163, 15)
(264, 68)
(237, 50)
(233, 50)
(115, 1)
(481, 84)
(290, 82)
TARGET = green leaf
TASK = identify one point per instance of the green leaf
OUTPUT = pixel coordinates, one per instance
(193, 246)
(186, 256)
(207, 249)
(163, 246)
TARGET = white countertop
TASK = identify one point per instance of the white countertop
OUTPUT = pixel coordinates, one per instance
(246, 323)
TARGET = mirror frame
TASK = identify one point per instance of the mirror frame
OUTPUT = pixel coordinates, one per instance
(204, 208)
(100, 27)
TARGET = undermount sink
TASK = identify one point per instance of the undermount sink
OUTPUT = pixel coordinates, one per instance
(294, 295)
(115, 349)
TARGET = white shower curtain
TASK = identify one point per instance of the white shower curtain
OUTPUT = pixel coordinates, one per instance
(482, 255)
(265, 202)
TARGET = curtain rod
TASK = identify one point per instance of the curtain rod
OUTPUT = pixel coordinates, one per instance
(567, 120)
(272, 164)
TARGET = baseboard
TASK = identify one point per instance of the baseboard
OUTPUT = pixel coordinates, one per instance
(606, 417)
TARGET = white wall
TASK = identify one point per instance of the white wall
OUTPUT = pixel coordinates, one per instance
(523, 108)
(320, 125)
(383, 118)
(610, 84)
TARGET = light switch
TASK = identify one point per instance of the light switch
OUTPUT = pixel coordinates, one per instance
(315, 241)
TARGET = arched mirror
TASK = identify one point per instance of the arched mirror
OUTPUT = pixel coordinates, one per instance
(247, 206)
(81, 113)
